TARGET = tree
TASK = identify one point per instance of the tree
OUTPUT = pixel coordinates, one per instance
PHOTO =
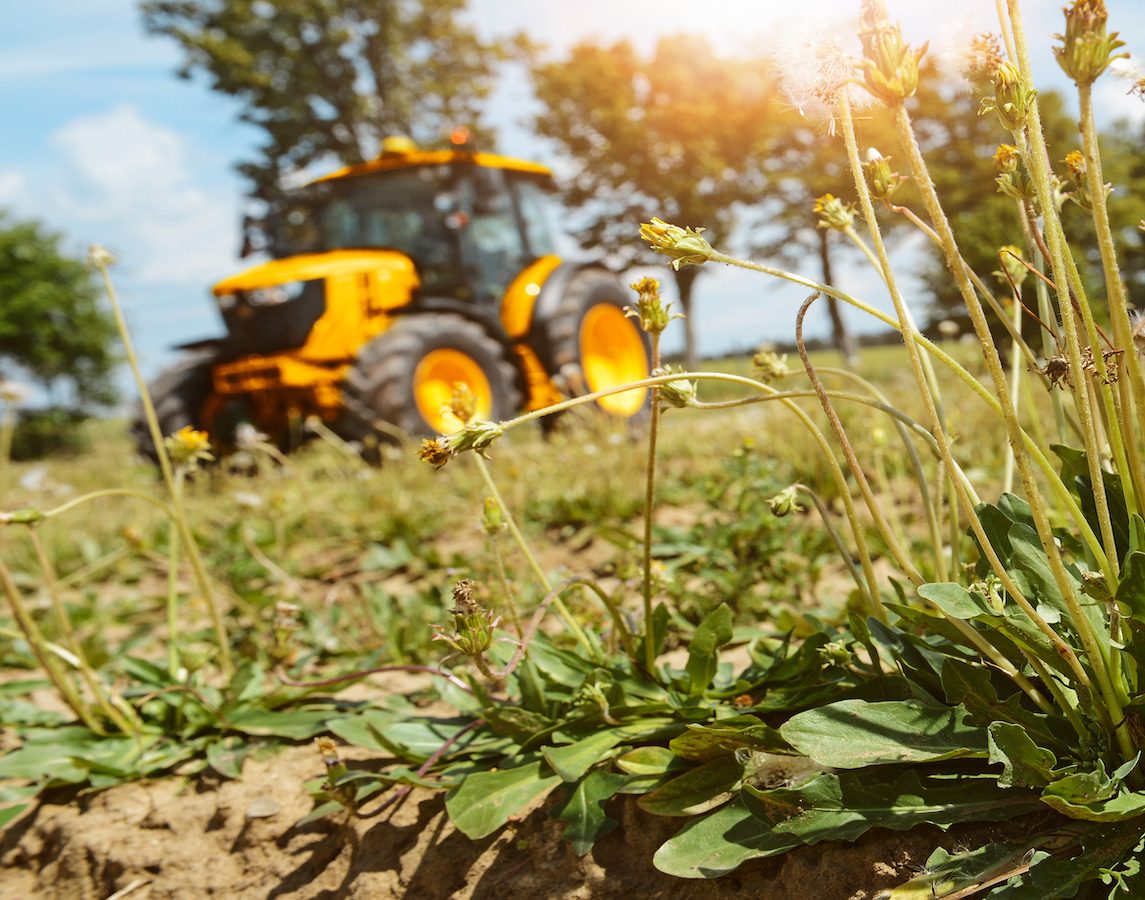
(326, 80)
(672, 135)
(800, 165)
(52, 327)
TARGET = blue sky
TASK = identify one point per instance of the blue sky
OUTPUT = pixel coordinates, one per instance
(103, 143)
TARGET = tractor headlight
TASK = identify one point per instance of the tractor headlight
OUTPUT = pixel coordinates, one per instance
(273, 295)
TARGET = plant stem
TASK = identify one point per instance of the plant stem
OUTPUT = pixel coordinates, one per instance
(38, 644)
(64, 623)
(173, 581)
(178, 511)
(1114, 287)
(650, 647)
(956, 266)
(873, 506)
(514, 530)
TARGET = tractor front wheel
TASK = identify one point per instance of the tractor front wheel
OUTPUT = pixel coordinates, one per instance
(405, 378)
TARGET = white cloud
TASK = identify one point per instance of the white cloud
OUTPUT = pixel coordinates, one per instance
(127, 177)
(11, 187)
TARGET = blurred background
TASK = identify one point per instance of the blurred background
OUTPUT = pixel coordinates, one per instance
(154, 128)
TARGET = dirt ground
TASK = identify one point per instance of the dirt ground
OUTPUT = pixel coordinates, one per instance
(176, 838)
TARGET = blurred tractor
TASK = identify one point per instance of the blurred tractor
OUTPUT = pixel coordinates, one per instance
(390, 282)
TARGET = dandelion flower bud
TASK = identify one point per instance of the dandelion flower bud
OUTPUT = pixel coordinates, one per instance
(187, 447)
(768, 366)
(679, 393)
(100, 257)
(493, 517)
(686, 246)
(473, 625)
(833, 213)
(884, 182)
(890, 66)
(1086, 50)
(475, 436)
(462, 402)
(1012, 99)
(1076, 183)
(786, 501)
(650, 310)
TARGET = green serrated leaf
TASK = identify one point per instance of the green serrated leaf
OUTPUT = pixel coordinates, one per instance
(520, 724)
(414, 738)
(571, 761)
(697, 790)
(582, 812)
(1024, 763)
(486, 800)
(1131, 589)
(953, 599)
(718, 843)
(704, 650)
(649, 761)
(293, 724)
(1093, 797)
(853, 734)
(843, 806)
(970, 686)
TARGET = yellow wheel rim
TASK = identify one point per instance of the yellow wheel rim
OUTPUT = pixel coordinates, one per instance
(612, 353)
(433, 381)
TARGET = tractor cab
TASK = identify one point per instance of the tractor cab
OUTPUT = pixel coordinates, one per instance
(470, 222)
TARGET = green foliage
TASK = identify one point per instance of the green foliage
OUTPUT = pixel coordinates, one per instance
(326, 81)
(49, 432)
(673, 135)
(52, 324)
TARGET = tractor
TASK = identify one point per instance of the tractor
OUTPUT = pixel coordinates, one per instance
(390, 282)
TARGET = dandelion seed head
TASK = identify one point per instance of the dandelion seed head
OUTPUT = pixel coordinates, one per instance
(966, 53)
(1131, 70)
(813, 64)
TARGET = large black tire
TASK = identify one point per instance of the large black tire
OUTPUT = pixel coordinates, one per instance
(593, 304)
(389, 375)
(178, 393)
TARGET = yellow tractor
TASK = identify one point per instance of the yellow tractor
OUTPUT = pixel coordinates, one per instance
(390, 282)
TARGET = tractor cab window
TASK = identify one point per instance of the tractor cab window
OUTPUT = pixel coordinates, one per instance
(493, 236)
(395, 210)
(534, 209)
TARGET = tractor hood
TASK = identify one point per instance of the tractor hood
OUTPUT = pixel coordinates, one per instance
(386, 265)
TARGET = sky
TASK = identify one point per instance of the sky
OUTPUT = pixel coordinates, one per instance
(103, 143)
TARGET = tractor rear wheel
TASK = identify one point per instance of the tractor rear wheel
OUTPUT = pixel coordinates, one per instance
(178, 393)
(589, 345)
(406, 376)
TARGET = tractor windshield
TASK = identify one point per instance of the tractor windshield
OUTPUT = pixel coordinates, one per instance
(468, 230)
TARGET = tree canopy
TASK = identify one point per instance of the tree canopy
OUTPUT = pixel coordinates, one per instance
(672, 135)
(326, 80)
(52, 326)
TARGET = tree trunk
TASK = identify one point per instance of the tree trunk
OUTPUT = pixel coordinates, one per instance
(685, 278)
(842, 339)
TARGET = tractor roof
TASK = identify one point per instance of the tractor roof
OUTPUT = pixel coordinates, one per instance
(390, 161)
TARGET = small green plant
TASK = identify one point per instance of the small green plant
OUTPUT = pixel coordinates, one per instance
(997, 674)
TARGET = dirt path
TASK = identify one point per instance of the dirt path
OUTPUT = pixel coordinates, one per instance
(238, 839)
